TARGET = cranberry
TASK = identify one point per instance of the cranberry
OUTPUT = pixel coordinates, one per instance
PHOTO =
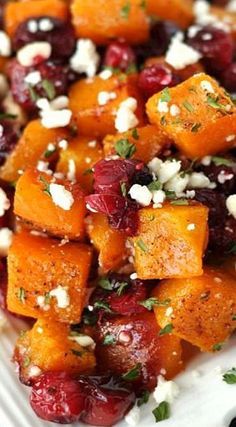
(3, 285)
(9, 136)
(55, 74)
(216, 47)
(57, 397)
(156, 77)
(61, 37)
(228, 78)
(119, 55)
(108, 204)
(108, 175)
(224, 176)
(127, 220)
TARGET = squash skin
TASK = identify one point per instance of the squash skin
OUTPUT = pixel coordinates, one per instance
(203, 307)
(38, 265)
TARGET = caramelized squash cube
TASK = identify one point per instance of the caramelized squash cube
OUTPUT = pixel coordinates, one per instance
(179, 11)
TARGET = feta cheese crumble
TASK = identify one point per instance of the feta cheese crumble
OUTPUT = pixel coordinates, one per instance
(141, 194)
(165, 390)
(4, 202)
(179, 55)
(85, 59)
(63, 144)
(6, 236)
(61, 295)
(168, 170)
(207, 86)
(61, 197)
(83, 340)
(33, 78)
(191, 227)
(45, 25)
(104, 97)
(231, 205)
(133, 416)
(26, 54)
(105, 74)
(54, 119)
(5, 44)
(125, 117)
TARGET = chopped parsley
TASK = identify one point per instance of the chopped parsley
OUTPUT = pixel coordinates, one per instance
(46, 188)
(188, 106)
(234, 317)
(142, 246)
(124, 148)
(218, 346)
(151, 302)
(102, 306)
(26, 362)
(7, 116)
(221, 161)
(47, 297)
(88, 171)
(109, 339)
(21, 295)
(166, 330)
(162, 412)
(120, 289)
(230, 376)
(165, 95)
(179, 202)
(123, 189)
(155, 185)
(33, 94)
(89, 318)
(143, 4)
(125, 10)
(144, 398)
(105, 283)
(213, 102)
(49, 89)
(135, 134)
(133, 374)
(77, 352)
(195, 127)
(48, 153)
(163, 121)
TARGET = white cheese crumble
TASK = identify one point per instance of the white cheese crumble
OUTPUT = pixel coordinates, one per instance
(92, 144)
(85, 59)
(63, 144)
(174, 110)
(34, 371)
(169, 312)
(61, 295)
(230, 138)
(224, 176)
(6, 236)
(61, 197)
(4, 202)
(104, 97)
(53, 119)
(162, 106)
(32, 26)
(179, 54)
(206, 161)
(158, 196)
(5, 44)
(45, 24)
(42, 166)
(26, 54)
(178, 184)
(191, 227)
(168, 170)
(33, 78)
(1, 130)
(141, 194)
(125, 117)
(165, 390)
(133, 416)
(83, 340)
(231, 205)
(231, 6)
(133, 276)
(71, 174)
(41, 302)
(154, 165)
(207, 86)
(199, 180)
(105, 74)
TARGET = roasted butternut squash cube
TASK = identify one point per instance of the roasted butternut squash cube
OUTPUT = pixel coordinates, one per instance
(95, 120)
(103, 21)
(50, 346)
(35, 204)
(19, 11)
(178, 11)
(170, 241)
(47, 278)
(82, 153)
(148, 142)
(201, 108)
(110, 243)
(202, 308)
(143, 345)
(31, 147)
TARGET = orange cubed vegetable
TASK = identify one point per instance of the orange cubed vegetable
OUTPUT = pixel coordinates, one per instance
(148, 142)
(106, 20)
(203, 308)
(178, 11)
(46, 278)
(83, 153)
(165, 247)
(34, 205)
(50, 346)
(31, 147)
(184, 73)
(109, 243)
(99, 120)
(19, 11)
(204, 109)
(145, 346)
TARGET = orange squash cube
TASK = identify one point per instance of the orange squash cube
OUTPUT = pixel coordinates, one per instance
(165, 247)
(96, 120)
(202, 308)
(109, 243)
(50, 346)
(31, 147)
(19, 11)
(106, 20)
(35, 206)
(148, 141)
(204, 109)
(178, 11)
(84, 152)
(47, 278)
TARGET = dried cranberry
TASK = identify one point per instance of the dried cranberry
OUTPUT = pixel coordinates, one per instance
(224, 176)
(216, 47)
(127, 220)
(108, 204)
(228, 78)
(9, 136)
(57, 397)
(61, 37)
(156, 77)
(119, 55)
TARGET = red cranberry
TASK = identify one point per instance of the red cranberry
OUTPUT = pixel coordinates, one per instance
(215, 45)
(61, 37)
(156, 77)
(57, 397)
(108, 204)
(3, 285)
(228, 78)
(129, 302)
(127, 220)
(108, 175)
(9, 136)
(119, 55)
(224, 176)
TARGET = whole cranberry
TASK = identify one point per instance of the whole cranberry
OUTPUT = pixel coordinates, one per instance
(156, 77)
(9, 135)
(60, 35)
(228, 78)
(224, 176)
(57, 397)
(216, 47)
(119, 55)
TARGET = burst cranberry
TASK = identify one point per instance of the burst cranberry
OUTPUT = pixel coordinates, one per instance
(107, 400)
(119, 55)
(108, 204)
(228, 78)
(129, 302)
(57, 397)
(216, 47)
(155, 78)
(61, 37)
(108, 175)
(9, 136)
(127, 220)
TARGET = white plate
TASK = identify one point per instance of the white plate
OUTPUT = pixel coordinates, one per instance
(205, 401)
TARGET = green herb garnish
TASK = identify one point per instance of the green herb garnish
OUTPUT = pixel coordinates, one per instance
(165, 95)
(124, 148)
(166, 330)
(144, 398)
(133, 374)
(142, 246)
(162, 412)
(102, 306)
(26, 362)
(33, 94)
(125, 10)
(46, 188)
(188, 106)
(109, 339)
(135, 134)
(151, 302)
(120, 289)
(49, 89)
(221, 161)
(195, 127)
(21, 295)
(48, 153)
(155, 185)
(218, 346)
(179, 202)
(123, 189)
(7, 116)
(105, 283)
(230, 376)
